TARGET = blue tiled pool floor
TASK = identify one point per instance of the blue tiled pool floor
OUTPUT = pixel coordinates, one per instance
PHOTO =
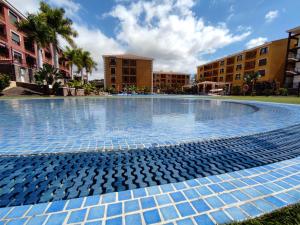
(260, 190)
(44, 178)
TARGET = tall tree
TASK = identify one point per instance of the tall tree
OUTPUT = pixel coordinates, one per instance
(36, 31)
(70, 55)
(58, 25)
(84, 61)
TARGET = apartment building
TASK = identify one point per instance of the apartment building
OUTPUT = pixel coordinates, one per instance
(169, 80)
(18, 55)
(292, 68)
(267, 59)
(126, 70)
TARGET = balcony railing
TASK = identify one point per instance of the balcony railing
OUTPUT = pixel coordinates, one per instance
(294, 56)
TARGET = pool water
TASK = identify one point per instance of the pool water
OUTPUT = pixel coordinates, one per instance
(89, 124)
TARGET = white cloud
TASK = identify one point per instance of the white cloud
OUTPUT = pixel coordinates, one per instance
(256, 42)
(271, 15)
(169, 32)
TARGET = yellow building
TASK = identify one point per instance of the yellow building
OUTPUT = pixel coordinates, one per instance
(267, 59)
(126, 70)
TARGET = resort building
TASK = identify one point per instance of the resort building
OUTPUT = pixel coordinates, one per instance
(169, 81)
(18, 55)
(292, 68)
(127, 70)
(267, 59)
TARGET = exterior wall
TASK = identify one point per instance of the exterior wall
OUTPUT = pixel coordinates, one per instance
(143, 77)
(227, 70)
(21, 71)
(172, 81)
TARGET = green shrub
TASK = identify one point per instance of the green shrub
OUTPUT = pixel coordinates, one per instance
(89, 88)
(283, 92)
(268, 92)
(4, 81)
(236, 90)
(75, 84)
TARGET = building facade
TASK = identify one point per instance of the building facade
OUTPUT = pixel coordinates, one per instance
(126, 70)
(292, 68)
(169, 81)
(267, 59)
(18, 55)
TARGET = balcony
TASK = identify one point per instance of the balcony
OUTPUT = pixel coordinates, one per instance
(229, 69)
(251, 55)
(3, 35)
(229, 78)
(29, 46)
(250, 65)
(30, 61)
(230, 61)
(294, 57)
(293, 71)
(4, 53)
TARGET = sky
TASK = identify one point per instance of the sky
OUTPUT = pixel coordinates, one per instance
(178, 34)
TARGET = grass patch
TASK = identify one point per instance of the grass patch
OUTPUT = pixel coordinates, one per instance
(278, 99)
(286, 216)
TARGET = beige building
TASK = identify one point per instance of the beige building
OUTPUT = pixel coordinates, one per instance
(267, 59)
(126, 70)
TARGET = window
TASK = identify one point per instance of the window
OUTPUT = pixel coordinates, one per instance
(113, 80)
(262, 73)
(238, 76)
(15, 38)
(239, 58)
(112, 61)
(222, 63)
(13, 17)
(238, 67)
(132, 63)
(132, 71)
(125, 71)
(262, 62)
(126, 62)
(221, 70)
(17, 57)
(112, 71)
(221, 79)
(263, 51)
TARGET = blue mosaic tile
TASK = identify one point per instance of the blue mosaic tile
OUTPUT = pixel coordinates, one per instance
(263, 189)
(200, 206)
(192, 183)
(108, 198)
(273, 187)
(216, 188)
(17, 221)
(283, 184)
(240, 196)
(167, 188)
(138, 193)
(77, 216)
(252, 192)
(186, 221)
(92, 200)
(228, 198)
(286, 198)
(154, 190)
(18, 212)
(295, 194)
(114, 209)
(251, 210)
(124, 195)
(56, 206)
(177, 197)
(263, 205)
(56, 219)
(37, 209)
(74, 203)
(4, 211)
(275, 201)
(204, 191)
(37, 220)
(134, 219)
(163, 199)
(228, 186)
(151, 216)
(169, 212)
(131, 206)
(214, 202)
(99, 222)
(179, 186)
(114, 221)
(203, 220)
(96, 212)
(185, 209)
(236, 214)
(147, 202)
(191, 193)
(220, 217)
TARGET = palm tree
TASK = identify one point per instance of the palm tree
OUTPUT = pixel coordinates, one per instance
(85, 61)
(48, 74)
(70, 55)
(251, 79)
(58, 25)
(37, 31)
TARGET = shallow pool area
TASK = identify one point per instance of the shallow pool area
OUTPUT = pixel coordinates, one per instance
(104, 124)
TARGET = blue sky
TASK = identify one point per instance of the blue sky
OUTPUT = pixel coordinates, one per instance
(179, 34)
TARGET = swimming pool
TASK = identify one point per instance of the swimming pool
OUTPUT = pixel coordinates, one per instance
(103, 124)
